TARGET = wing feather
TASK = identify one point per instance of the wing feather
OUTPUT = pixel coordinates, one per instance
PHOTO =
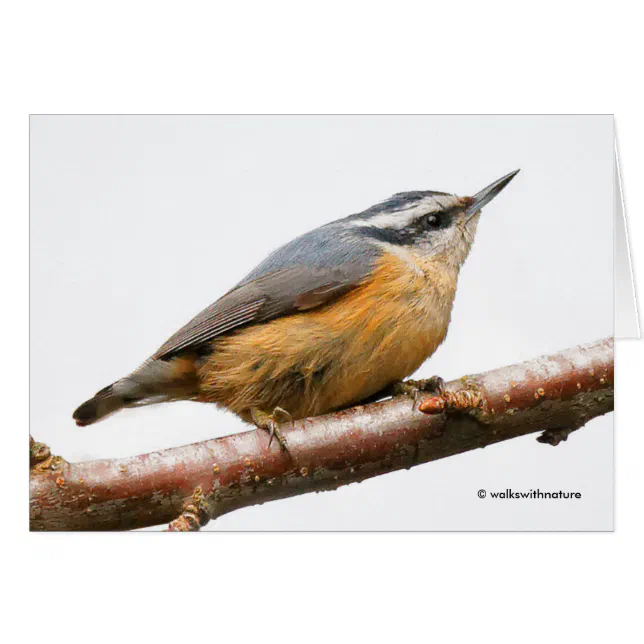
(298, 288)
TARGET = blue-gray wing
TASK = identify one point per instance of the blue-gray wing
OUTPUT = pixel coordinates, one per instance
(310, 271)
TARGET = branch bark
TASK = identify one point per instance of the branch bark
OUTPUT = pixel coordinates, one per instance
(192, 484)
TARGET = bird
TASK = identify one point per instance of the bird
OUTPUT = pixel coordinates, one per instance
(336, 317)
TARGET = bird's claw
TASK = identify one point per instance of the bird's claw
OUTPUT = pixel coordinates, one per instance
(268, 422)
(414, 388)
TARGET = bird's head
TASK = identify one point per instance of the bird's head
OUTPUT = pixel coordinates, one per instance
(428, 223)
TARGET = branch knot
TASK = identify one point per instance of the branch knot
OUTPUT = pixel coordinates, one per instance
(195, 515)
(462, 400)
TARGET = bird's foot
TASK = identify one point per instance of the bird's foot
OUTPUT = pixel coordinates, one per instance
(415, 388)
(268, 422)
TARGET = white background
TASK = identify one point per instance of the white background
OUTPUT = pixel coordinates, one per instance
(463, 57)
(139, 222)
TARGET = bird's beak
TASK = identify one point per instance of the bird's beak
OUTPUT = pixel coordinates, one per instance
(486, 195)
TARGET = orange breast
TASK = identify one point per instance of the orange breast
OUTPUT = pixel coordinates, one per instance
(327, 358)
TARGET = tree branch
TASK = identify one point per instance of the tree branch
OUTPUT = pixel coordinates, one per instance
(192, 484)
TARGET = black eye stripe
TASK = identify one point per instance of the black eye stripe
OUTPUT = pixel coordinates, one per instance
(421, 228)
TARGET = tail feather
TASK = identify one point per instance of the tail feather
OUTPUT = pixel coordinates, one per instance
(153, 382)
(104, 403)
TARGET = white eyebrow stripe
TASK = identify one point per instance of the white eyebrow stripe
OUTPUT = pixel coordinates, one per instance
(399, 219)
(396, 220)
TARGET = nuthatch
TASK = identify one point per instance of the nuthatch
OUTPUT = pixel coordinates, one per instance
(333, 318)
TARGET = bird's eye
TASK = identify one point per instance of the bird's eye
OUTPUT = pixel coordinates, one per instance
(432, 221)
